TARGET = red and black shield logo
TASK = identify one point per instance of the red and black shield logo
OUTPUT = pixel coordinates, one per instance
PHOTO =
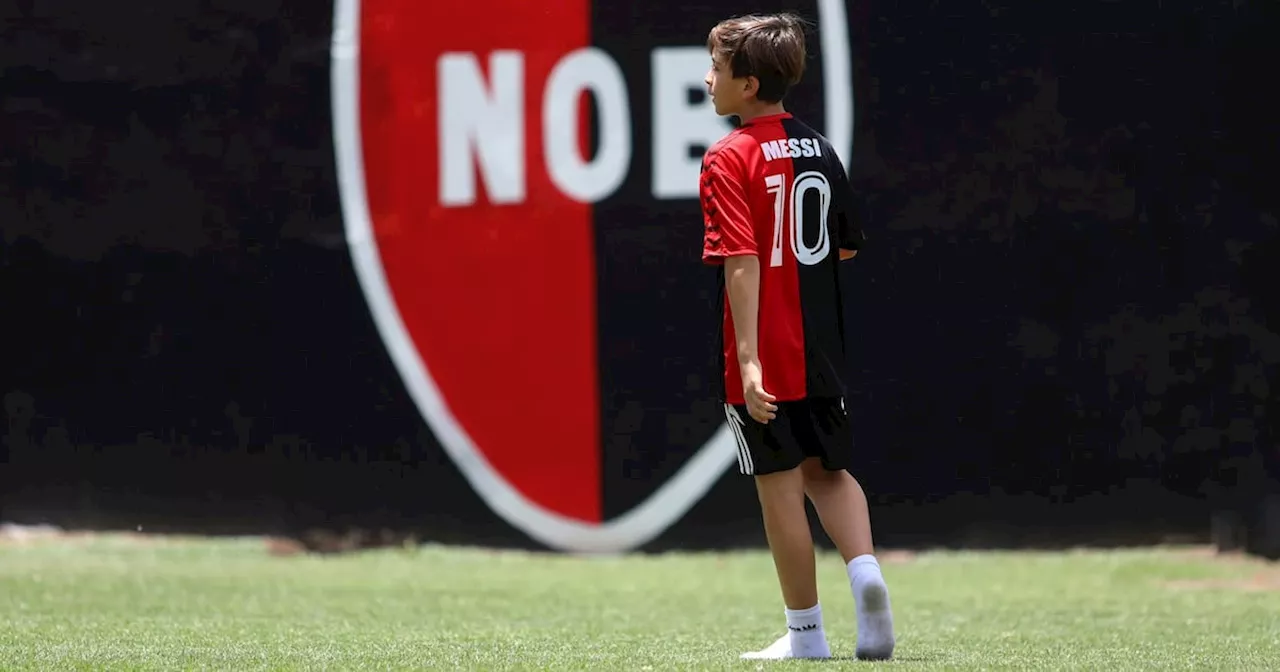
(519, 190)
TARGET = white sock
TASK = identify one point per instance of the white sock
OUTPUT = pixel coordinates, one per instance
(805, 638)
(875, 616)
(808, 637)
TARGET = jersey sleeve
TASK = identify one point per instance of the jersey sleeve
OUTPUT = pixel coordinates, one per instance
(851, 235)
(726, 217)
(849, 218)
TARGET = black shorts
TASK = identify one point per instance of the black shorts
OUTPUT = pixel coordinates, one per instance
(815, 427)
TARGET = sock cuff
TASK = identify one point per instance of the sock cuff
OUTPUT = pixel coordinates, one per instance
(811, 612)
(861, 562)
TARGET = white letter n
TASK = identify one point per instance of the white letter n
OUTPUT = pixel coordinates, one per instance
(481, 126)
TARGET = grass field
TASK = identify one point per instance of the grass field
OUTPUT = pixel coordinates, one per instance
(139, 603)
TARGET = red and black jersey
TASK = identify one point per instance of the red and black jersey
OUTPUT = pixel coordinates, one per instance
(775, 188)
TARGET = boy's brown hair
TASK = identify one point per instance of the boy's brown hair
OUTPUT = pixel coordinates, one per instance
(769, 47)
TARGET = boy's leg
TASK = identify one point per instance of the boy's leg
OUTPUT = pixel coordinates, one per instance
(772, 456)
(786, 527)
(842, 508)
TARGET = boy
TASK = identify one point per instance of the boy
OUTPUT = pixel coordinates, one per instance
(777, 212)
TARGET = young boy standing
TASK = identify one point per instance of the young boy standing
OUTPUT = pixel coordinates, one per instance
(778, 216)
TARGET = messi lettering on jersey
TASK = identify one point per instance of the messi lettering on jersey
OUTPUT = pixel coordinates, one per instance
(791, 148)
(775, 188)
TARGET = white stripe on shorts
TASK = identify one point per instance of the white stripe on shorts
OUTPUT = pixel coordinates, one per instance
(745, 464)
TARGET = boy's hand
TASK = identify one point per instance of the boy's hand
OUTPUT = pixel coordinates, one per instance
(759, 402)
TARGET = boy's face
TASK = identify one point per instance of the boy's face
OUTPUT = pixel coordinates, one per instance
(729, 94)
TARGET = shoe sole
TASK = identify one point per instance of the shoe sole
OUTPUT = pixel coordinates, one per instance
(875, 598)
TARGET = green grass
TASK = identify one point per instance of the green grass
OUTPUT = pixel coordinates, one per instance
(113, 602)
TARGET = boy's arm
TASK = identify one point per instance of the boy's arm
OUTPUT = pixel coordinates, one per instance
(742, 282)
(729, 239)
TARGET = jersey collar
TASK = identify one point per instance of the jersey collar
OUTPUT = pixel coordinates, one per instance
(767, 119)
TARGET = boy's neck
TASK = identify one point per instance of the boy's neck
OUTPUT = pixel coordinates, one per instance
(761, 110)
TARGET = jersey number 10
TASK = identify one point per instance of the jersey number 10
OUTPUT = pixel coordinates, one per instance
(791, 202)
